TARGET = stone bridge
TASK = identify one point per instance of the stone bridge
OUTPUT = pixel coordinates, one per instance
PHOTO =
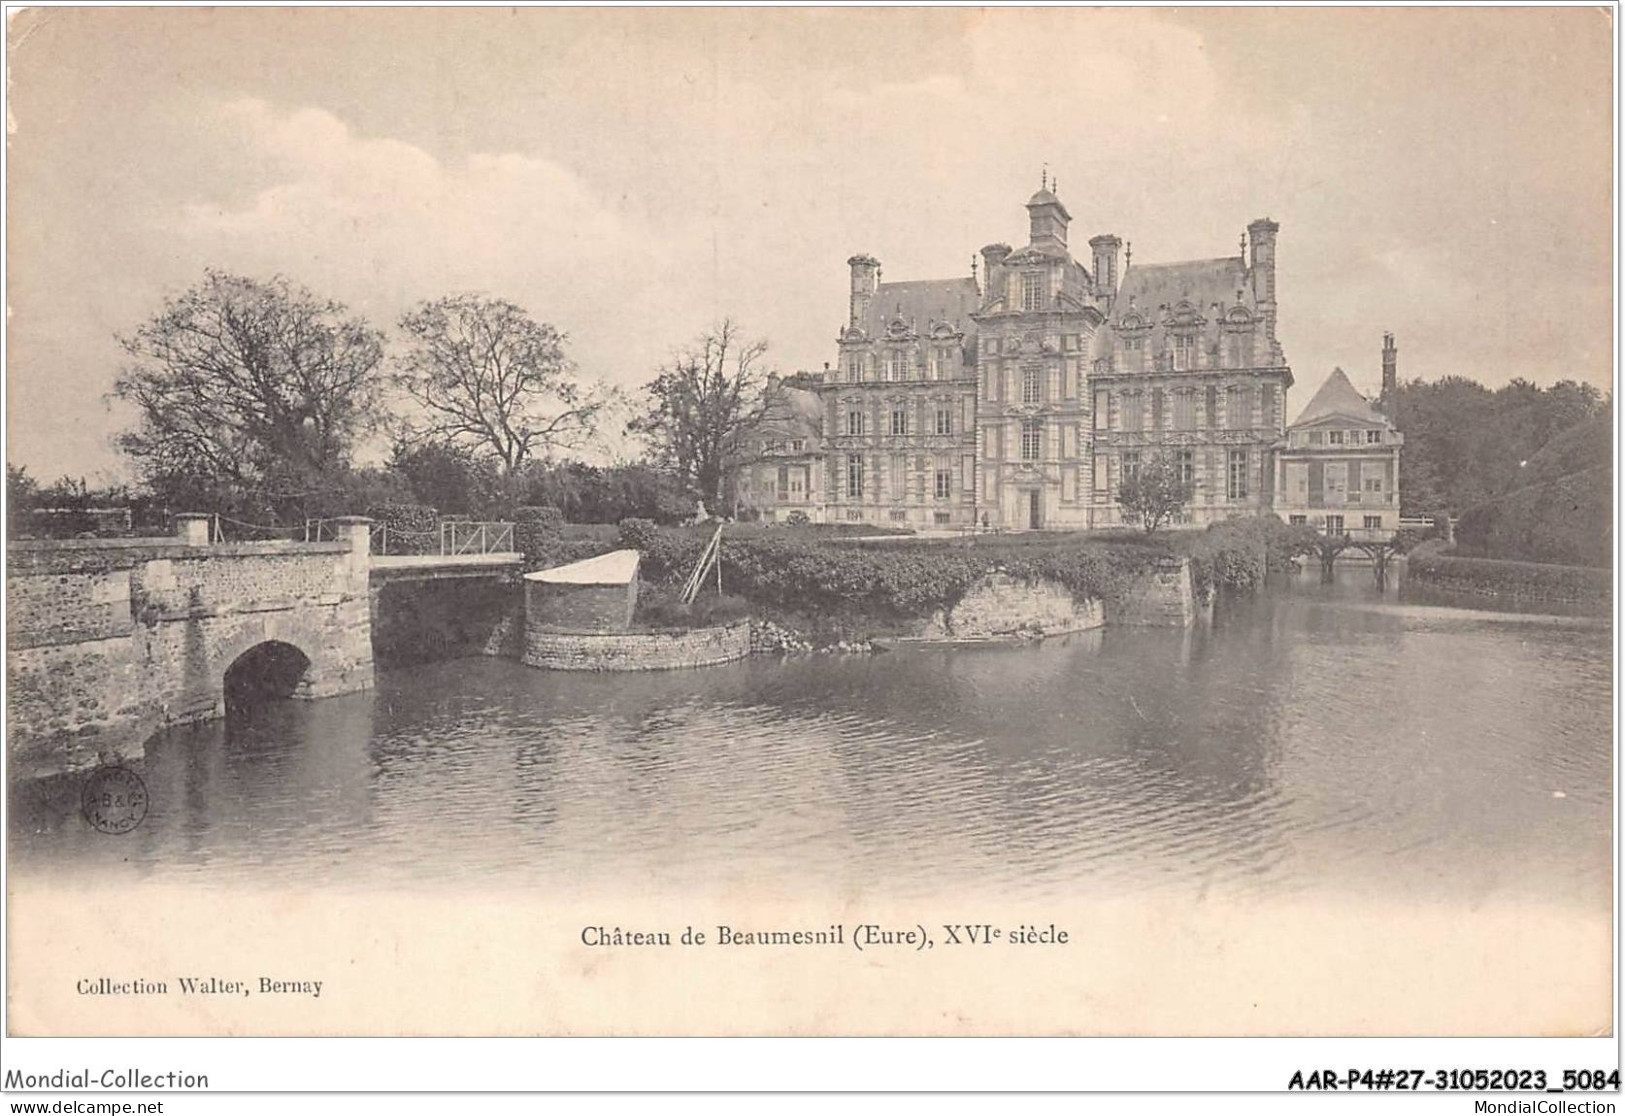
(111, 640)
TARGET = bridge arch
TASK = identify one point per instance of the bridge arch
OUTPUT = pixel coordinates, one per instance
(269, 670)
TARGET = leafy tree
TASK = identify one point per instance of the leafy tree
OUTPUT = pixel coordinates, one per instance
(1155, 492)
(447, 477)
(701, 405)
(1466, 444)
(250, 393)
(607, 494)
(490, 379)
(22, 490)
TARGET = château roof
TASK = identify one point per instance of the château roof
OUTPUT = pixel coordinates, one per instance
(921, 302)
(1199, 282)
(1338, 399)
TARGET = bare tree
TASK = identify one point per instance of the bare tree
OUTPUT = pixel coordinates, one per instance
(248, 386)
(1155, 492)
(490, 378)
(700, 406)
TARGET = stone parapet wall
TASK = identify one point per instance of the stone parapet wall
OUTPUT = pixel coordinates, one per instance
(553, 650)
(69, 607)
(1161, 598)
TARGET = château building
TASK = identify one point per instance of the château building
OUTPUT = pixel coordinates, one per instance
(1338, 469)
(782, 466)
(900, 403)
(1021, 396)
(1021, 399)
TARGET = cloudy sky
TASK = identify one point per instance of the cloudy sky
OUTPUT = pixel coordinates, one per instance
(633, 175)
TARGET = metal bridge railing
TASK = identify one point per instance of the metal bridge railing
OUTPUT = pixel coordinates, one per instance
(459, 537)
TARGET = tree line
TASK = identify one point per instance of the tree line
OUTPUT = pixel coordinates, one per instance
(255, 398)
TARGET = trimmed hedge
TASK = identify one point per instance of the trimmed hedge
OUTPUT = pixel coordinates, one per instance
(907, 579)
(1524, 580)
(1568, 521)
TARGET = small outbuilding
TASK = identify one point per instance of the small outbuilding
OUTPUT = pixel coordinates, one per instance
(592, 595)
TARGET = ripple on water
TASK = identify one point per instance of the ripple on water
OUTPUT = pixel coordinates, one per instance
(1303, 741)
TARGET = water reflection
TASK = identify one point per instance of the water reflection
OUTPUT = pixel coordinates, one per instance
(1310, 737)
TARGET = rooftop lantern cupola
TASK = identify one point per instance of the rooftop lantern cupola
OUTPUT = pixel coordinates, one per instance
(1048, 217)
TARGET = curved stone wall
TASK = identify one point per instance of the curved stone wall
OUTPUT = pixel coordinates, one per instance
(1003, 607)
(636, 650)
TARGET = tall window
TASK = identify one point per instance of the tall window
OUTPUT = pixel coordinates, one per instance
(1103, 410)
(1186, 459)
(899, 420)
(1102, 473)
(896, 362)
(1238, 409)
(854, 476)
(1184, 346)
(854, 369)
(1334, 525)
(854, 423)
(1131, 467)
(945, 480)
(1032, 439)
(1032, 384)
(784, 482)
(1133, 411)
(1032, 291)
(1266, 404)
(1184, 410)
(1237, 489)
(945, 420)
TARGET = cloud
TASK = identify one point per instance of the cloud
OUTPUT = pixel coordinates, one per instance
(381, 224)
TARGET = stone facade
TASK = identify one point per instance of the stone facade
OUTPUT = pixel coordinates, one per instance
(900, 405)
(552, 650)
(1022, 401)
(1338, 467)
(782, 472)
(112, 640)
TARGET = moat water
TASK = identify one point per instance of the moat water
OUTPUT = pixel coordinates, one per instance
(1307, 738)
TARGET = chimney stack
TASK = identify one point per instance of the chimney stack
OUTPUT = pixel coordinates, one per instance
(865, 281)
(1262, 235)
(1390, 377)
(993, 257)
(1106, 279)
